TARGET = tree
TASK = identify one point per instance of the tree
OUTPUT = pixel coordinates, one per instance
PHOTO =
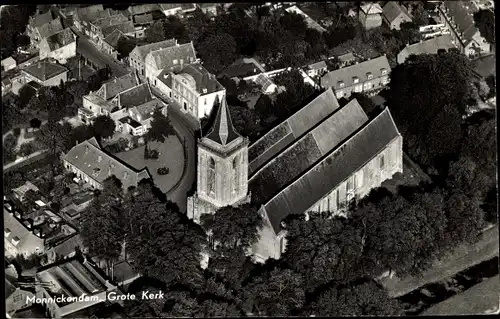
(55, 137)
(294, 23)
(103, 127)
(364, 101)
(485, 22)
(79, 134)
(465, 218)
(25, 95)
(13, 23)
(245, 121)
(264, 107)
(466, 176)
(358, 299)
(172, 27)
(490, 80)
(234, 226)
(161, 128)
(35, 123)
(124, 46)
(9, 148)
(218, 51)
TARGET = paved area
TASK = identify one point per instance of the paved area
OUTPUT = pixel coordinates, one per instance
(482, 298)
(463, 257)
(101, 59)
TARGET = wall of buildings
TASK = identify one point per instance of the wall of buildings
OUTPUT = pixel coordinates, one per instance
(368, 87)
(54, 81)
(61, 54)
(81, 175)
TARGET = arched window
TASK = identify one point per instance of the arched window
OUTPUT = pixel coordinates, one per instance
(211, 176)
(235, 175)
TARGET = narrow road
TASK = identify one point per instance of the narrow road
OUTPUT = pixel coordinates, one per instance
(464, 257)
(97, 57)
(10, 165)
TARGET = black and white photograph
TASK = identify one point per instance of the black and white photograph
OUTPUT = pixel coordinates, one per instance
(250, 159)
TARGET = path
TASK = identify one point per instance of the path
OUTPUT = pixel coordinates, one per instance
(464, 257)
(22, 160)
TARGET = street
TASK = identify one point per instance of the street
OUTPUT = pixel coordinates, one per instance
(97, 57)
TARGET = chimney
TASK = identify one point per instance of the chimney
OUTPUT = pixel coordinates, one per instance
(109, 170)
(99, 159)
(86, 149)
(125, 175)
(182, 63)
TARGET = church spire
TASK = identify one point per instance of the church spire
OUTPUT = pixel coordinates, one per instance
(222, 131)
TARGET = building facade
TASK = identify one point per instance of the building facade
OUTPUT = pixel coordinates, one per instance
(137, 56)
(45, 73)
(60, 46)
(395, 14)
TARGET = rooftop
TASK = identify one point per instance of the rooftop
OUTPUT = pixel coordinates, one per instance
(241, 69)
(361, 71)
(223, 131)
(143, 8)
(371, 8)
(113, 38)
(98, 165)
(147, 109)
(392, 10)
(15, 231)
(135, 96)
(200, 79)
(50, 28)
(108, 21)
(40, 19)
(318, 65)
(113, 87)
(171, 57)
(143, 50)
(346, 57)
(310, 22)
(430, 46)
(264, 81)
(332, 169)
(45, 70)
(291, 129)
(125, 27)
(462, 13)
(61, 39)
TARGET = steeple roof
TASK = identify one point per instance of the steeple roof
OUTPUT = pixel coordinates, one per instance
(222, 131)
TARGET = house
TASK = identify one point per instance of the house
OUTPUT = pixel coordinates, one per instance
(395, 15)
(267, 86)
(16, 297)
(66, 249)
(8, 64)
(77, 286)
(123, 273)
(366, 77)
(171, 58)
(430, 46)
(370, 15)
(60, 46)
(6, 86)
(102, 102)
(193, 87)
(110, 43)
(316, 69)
(139, 13)
(137, 56)
(83, 17)
(19, 239)
(93, 165)
(44, 31)
(137, 120)
(240, 69)
(319, 159)
(45, 73)
(310, 22)
(170, 9)
(346, 59)
(38, 20)
(458, 17)
(21, 191)
(209, 9)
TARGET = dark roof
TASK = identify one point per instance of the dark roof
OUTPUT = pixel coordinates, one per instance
(9, 288)
(61, 39)
(108, 21)
(288, 131)
(146, 110)
(98, 165)
(144, 18)
(164, 58)
(485, 66)
(143, 50)
(122, 271)
(305, 151)
(50, 28)
(143, 8)
(125, 27)
(334, 168)
(115, 86)
(40, 19)
(113, 38)
(392, 10)
(223, 131)
(462, 14)
(430, 46)
(135, 96)
(202, 79)
(240, 70)
(45, 70)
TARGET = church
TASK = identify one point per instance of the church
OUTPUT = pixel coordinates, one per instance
(318, 159)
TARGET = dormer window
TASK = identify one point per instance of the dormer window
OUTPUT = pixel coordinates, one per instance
(355, 79)
(383, 71)
(15, 241)
(341, 84)
(6, 232)
(204, 90)
(369, 75)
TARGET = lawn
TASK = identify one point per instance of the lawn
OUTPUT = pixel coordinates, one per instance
(171, 156)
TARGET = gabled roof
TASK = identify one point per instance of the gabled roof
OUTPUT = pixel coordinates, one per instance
(202, 79)
(277, 139)
(9, 288)
(392, 10)
(308, 20)
(462, 13)
(108, 21)
(27, 240)
(359, 70)
(430, 46)
(298, 157)
(223, 131)
(164, 58)
(143, 8)
(126, 27)
(89, 158)
(45, 70)
(8, 61)
(143, 50)
(61, 39)
(144, 18)
(318, 65)
(113, 38)
(115, 86)
(371, 8)
(50, 28)
(92, 13)
(40, 19)
(332, 169)
(147, 109)
(135, 96)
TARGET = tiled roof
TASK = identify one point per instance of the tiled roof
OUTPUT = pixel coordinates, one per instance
(360, 70)
(93, 13)
(371, 8)
(392, 10)
(240, 70)
(45, 70)
(89, 158)
(270, 179)
(135, 96)
(61, 39)
(334, 168)
(143, 50)
(143, 8)
(288, 131)
(318, 65)
(107, 21)
(430, 46)
(164, 58)
(67, 247)
(115, 86)
(144, 18)
(126, 27)
(223, 131)
(485, 66)
(346, 57)
(40, 19)
(21, 190)
(50, 28)
(90, 10)
(462, 16)
(202, 78)
(8, 61)
(146, 110)
(27, 240)
(113, 38)
(264, 81)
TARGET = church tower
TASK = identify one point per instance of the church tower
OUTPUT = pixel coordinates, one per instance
(222, 172)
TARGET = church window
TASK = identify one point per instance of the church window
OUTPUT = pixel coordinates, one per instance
(235, 173)
(382, 163)
(211, 176)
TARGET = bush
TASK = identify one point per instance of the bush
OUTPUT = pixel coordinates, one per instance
(150, 154)
(119, 146)
(28, 148)
(17, 131)
(163, 170)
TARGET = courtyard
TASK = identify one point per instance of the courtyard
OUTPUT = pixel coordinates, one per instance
(171, 156)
